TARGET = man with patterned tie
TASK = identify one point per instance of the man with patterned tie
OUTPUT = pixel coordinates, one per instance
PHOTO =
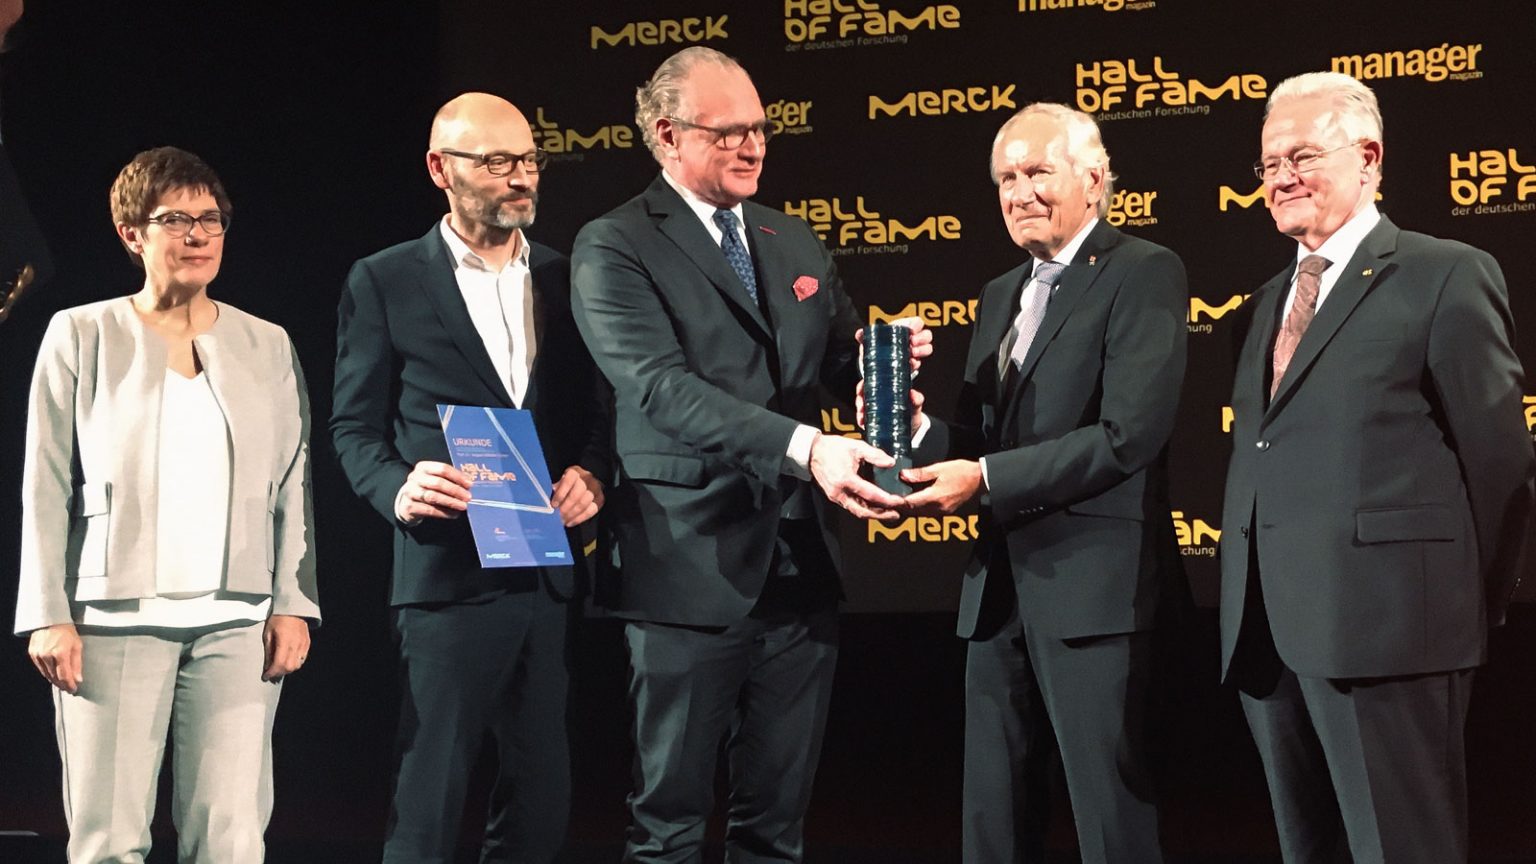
(472, 313)
(1377, 500)
(717, 320)
(1071, 389)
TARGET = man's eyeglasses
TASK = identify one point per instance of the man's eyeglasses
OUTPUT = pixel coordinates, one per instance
(1301, 161)
(501, 164)
(731, 137)
(179, 224)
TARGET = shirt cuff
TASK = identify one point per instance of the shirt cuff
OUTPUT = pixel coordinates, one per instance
(922, 432)
(400, 502)
(985, 483)
(797, 459)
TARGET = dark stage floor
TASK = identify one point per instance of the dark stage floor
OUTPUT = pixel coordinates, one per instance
(39, 852)
(889, 787)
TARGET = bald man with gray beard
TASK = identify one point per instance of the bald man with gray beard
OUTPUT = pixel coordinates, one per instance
(472, 313)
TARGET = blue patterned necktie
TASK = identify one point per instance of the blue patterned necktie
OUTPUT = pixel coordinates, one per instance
(736, 251)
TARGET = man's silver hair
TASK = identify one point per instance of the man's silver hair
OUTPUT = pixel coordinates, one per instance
(662, 96)
(1085, 149)
(1356, 111)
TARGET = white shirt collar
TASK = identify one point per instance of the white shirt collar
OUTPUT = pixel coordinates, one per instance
(463, 256)
(701, 208)
(1341, 245)
(1069, 251)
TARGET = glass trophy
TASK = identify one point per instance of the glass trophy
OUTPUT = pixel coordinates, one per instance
(888, 400)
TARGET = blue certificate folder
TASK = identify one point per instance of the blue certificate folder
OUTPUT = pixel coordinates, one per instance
(509, 511)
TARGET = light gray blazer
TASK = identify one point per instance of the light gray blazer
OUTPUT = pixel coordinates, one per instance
(90, 483)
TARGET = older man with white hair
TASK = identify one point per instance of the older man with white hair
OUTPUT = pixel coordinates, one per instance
(1377, 500)
(1070, 394)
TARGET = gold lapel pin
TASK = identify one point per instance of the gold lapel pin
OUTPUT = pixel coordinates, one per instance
(1367, 271)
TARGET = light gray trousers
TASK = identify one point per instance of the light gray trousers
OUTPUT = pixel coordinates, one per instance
(204, 688)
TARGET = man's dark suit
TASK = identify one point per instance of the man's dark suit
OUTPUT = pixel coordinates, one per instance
(709, 389)
(23, 254)
(1076, 546)
(1375, 516)
(406, 343)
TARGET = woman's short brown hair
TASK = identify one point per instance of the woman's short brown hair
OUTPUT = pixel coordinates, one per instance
(152, 175)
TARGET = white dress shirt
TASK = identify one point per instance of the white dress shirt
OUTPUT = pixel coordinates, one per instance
(191, 522)
(1338, 249)
(706, 212)
(500, 303)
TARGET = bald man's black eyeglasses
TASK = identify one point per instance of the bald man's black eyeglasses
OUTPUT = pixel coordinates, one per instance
(501, 164)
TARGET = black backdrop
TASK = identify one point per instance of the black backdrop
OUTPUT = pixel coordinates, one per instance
(885, 113)
(315, 114)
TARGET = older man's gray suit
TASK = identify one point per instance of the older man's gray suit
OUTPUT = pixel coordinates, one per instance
(1076, 548)
(1376, 511)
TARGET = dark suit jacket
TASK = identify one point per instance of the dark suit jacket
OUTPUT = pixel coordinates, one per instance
(1077, 520)
(1388, 485)
(405, 343)
(708, 391)
(21, 243)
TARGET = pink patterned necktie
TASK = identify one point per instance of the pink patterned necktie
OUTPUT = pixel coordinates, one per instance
(1309, 278)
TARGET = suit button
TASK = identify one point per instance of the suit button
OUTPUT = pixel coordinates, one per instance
(1262, 445)
(1243, 531)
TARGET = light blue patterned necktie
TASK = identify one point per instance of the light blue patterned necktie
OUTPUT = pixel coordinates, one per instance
(1037, 294)
(736, 251)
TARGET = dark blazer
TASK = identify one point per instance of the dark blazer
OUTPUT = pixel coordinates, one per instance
(1077, 518)
(405, 343)
(1389, 482)
(708, 391)
(21, 242)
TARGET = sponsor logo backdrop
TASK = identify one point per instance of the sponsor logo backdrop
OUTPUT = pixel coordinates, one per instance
(884, 114)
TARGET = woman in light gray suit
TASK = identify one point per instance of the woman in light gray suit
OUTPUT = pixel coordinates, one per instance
(167, 561)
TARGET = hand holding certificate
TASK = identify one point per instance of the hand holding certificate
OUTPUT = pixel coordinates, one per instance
(511, 513)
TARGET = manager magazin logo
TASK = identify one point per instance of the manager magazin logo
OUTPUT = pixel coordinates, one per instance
(1442, 63)
(1102, 5)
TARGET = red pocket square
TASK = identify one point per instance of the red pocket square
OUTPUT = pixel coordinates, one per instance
(805, 286)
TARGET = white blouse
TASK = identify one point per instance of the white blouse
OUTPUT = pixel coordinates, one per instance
(192, 522)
